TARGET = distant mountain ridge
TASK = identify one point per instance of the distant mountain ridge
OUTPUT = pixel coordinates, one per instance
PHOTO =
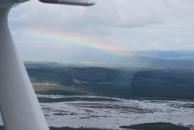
(148, 74)
(169, 55)
(141, 59)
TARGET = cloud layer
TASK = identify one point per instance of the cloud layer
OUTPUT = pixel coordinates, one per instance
(125, 24)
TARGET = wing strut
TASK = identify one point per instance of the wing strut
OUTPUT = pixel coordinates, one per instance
(18, 102)
(19, 105)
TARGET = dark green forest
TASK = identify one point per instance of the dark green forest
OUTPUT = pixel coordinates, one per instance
(123, 83)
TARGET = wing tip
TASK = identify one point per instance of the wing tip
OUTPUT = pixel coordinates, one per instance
(68, 2)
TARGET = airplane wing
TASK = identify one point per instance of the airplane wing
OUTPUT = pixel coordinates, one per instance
(11, 1)
(70, 2)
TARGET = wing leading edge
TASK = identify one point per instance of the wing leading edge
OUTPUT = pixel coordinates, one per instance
(70, 2)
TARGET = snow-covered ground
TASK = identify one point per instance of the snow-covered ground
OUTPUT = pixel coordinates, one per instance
(119, 112)
(115, 113)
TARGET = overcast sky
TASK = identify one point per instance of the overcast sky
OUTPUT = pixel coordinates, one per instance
(122, 24)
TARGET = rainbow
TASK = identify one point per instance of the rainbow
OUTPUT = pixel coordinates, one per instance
(78, 40)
